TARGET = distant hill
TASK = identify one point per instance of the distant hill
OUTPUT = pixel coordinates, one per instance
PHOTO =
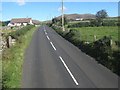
(78, 16)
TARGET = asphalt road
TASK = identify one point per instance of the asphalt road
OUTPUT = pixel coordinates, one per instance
(52, 62)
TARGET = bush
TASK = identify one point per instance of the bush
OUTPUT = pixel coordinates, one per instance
(94, 23)
(20, 32)
(116, 62)
(109, 23)
(102, 50)
(80, 24)
(117, 43)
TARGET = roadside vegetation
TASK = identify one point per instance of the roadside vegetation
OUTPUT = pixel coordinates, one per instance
(12, 58)
(97, 38)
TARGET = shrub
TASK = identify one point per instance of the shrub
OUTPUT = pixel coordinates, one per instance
(20, 32)
(80, 24)
(102, 50)
(116, 62)
(109, 23)
(117, 43)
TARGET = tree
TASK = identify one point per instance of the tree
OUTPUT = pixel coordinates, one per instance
(100, 15)
(65, 20)
(54, 20)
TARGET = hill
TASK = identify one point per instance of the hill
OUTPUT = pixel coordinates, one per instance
(78, 16)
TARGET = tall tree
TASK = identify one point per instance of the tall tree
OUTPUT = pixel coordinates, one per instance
(54, 20)
(100, 15)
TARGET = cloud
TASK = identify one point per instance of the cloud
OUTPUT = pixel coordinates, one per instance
(60, 8)
(21, 2)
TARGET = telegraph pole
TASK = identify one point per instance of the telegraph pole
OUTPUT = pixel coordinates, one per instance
(63, 17)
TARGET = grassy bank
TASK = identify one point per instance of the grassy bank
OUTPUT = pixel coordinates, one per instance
(12, 59)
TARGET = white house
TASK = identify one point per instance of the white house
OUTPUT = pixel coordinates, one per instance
(20, 22)
(79, 19)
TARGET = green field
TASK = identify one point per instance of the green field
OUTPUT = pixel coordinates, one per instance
(87, 33)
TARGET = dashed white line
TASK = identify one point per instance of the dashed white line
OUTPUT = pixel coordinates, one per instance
(69, 71)
(44, 30)
(53, 46)
(46, 33)
(62, 60)
(48, 38)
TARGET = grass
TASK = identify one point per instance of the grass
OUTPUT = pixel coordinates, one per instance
(13, 60)
(7, 31)
(87, 33)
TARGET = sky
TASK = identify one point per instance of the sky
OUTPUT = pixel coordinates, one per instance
(47, 10)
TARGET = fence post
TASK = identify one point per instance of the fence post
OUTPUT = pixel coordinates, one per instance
(9, 41)
(111, 42)
(95, 38)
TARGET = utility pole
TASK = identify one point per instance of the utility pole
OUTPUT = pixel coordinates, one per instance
(63, 17)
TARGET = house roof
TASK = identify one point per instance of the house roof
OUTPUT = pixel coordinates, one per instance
(20, 20)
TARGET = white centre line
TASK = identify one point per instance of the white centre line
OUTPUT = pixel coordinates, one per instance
(53, 46)
(46, 33)
(44, 30)
(69, 71)
(48, 38)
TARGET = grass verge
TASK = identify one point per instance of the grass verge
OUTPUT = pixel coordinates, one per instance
(12, 61)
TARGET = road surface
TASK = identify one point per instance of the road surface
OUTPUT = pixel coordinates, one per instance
(52, 62)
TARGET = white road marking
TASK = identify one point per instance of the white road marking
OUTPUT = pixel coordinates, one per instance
(46, 33)
(48, 38)
(44, 29)
(62, 60)
(69, 71)
(53, 46)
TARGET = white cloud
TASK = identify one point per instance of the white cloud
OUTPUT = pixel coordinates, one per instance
(21, 2)
(60, 8)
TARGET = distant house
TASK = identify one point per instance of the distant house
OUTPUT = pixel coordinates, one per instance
(36, 22)
(20, 22)
(79, 19)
